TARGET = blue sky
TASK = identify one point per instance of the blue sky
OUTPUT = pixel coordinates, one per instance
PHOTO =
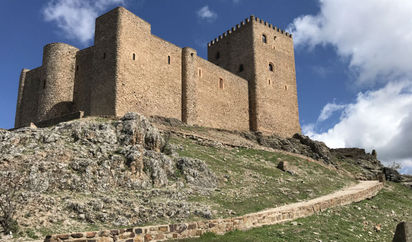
(353, 58)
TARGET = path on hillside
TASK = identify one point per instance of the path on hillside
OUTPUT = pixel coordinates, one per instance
(356, 193)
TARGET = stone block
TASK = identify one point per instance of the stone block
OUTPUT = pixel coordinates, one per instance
(403, 232)
(63, 236)
(163, 228)
(192, 226)
(148, 237)
(77, 235)
(90, 234)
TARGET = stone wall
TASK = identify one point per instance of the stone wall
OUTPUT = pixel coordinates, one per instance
(130, 70)
(233, 51)
(220, 226)
(29, 87)
(222, 98)
(150, 71)
(83, 80)
(242, 50)
(105, 64)
(276, 92)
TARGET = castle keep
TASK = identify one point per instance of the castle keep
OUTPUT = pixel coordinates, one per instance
(248, 82)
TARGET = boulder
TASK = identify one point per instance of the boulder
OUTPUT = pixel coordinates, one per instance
(403, 232)
(392, 175)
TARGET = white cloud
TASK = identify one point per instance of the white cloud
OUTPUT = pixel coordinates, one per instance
(374, 35)
(380, 119)
(76, 18)
(328, 110)
(206, 14)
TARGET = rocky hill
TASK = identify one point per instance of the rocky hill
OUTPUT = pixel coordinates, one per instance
(99, 173)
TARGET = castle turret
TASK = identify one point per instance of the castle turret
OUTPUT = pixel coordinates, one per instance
(189, 86)
(56, 86)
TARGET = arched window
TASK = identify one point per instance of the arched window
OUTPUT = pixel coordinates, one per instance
(264, 39)
(200, 72)
(134, 56)
(217, 55)
(271, 67)
(269, 82)
(221, 83)
(168, 60)
(241, 68)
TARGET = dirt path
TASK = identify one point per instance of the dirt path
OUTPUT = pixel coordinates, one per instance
(358, 192)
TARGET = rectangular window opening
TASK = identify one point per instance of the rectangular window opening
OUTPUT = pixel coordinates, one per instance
(168, 59)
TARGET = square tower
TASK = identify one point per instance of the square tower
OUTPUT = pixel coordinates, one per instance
(264, 55)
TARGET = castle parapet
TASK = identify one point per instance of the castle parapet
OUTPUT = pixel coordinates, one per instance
(245, 22)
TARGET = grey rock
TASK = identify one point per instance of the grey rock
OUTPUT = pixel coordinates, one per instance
(392, 175)
(196, 172)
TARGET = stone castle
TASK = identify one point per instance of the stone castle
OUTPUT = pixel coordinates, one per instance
(247, 83)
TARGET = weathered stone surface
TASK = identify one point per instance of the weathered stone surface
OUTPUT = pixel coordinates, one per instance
(196, 172)
(392, 175)
(370, 166)
(403, 232)
(283, 166)
(117, 160)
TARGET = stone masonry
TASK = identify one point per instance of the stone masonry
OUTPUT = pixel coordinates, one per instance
(359, 192)
(247, 83)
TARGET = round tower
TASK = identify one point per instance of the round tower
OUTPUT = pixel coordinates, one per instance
(189, 85)
(56, 86)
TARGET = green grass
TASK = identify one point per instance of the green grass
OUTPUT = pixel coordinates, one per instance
(354, 222)
(249, 180)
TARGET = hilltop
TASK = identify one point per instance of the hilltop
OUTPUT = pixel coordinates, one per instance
(100, 173)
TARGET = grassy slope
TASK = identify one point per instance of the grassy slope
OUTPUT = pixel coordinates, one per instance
(355, 222)
(249, 180)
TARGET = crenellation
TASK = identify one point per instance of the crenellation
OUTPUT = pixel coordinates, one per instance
(128, 69)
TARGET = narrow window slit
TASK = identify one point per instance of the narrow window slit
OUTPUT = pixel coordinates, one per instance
(241, 68)
(221, 83)
(271, 67)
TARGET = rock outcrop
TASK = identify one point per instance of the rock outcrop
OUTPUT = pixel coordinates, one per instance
(368, 166)
(99, 170)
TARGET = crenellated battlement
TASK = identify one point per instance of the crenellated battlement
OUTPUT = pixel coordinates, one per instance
(237, 27)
